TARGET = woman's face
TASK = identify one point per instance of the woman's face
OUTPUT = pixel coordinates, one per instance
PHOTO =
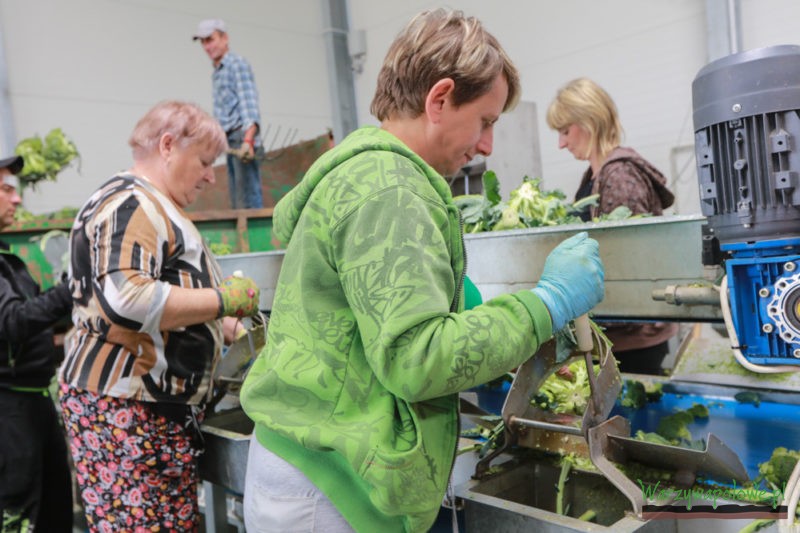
(190, 171)
(575, 139)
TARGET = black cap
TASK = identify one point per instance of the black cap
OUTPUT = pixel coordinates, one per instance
(13, 163)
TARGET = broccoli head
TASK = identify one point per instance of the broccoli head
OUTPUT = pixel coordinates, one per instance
(778, 468)
(634, 394)
(567, 390)
(675, 427)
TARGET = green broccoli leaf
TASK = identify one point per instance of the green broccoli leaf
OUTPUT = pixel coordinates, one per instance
(619, 213)
(491, 187)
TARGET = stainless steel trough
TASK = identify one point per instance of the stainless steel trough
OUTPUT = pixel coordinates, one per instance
(640, 256)
(227, 441)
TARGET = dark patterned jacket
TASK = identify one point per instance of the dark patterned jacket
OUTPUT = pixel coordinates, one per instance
(626, 178)
(28, 357)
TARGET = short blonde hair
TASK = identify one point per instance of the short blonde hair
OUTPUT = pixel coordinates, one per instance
(433, 46)
(187, 122)
(583, 102)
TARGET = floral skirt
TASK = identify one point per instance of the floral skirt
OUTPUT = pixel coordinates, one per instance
(136, 470)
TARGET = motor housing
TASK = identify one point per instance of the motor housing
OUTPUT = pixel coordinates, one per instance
(747, 146)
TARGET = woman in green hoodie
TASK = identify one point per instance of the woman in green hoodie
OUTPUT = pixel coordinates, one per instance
(355, 396)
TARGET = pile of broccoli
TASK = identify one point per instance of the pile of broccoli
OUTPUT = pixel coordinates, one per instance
(528, 207)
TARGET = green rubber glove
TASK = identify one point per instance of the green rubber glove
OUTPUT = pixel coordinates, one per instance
(238, 296)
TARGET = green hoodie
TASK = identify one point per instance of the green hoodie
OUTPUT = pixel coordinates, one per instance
(368, 344)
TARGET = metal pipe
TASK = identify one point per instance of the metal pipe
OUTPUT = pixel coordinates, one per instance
(538, 424)
(687, 295)
(7, 136)
(340, 74)
(733, 26)
(723, 35)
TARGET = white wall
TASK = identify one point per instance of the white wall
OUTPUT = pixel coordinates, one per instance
(93, 67)
(644, 52)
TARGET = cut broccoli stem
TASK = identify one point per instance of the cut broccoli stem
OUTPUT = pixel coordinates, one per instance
(755, 525)
(562, 481)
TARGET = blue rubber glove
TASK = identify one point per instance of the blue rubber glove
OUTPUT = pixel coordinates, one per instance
(572, 279)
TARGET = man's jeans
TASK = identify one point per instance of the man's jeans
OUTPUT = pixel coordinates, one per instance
(244, 179)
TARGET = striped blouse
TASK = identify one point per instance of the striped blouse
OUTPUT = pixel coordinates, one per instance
(128, 246)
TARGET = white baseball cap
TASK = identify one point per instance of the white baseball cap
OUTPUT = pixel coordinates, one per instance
(207, 27)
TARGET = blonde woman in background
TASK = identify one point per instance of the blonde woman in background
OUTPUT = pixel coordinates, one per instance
(588, 125)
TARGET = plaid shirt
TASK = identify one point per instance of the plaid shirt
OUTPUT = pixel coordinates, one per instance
(235, 94)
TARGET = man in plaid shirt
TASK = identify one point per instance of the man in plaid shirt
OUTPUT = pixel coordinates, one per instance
(236, 108)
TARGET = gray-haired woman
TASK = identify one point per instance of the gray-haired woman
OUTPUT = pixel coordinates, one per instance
(151, 315)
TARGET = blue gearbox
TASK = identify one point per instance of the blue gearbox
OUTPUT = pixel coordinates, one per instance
(764, 288)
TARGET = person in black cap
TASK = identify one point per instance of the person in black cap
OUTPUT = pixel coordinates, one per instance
(35, 479)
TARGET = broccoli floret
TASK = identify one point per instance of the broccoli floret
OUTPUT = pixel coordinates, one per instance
(675, 428)
(654, 392)
(655, 438)
(45, 159)
(634, 394)
(777, 470)
(567, 390)
(748, 397)
(508, 220)
(698, 410)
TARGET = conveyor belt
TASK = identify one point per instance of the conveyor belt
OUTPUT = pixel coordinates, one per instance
(749, 430)
(752, 432)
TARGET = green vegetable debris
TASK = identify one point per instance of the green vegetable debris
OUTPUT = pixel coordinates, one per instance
(776, 471)
(673, 429)
(636, 394)
(220, 248)
(45, 158)
(22, 215)
(748, 397)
